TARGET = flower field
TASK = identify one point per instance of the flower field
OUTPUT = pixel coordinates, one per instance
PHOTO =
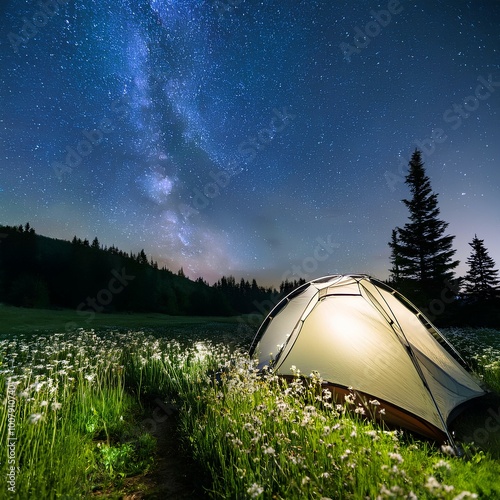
(74, 423)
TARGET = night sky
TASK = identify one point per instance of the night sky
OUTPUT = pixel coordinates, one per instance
(264, 139)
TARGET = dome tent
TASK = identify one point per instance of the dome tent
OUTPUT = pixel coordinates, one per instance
(362, 335)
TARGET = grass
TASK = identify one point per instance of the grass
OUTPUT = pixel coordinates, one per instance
(74, 410)
(27, 320)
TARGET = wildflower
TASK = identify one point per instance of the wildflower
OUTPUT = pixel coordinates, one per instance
(432, 484)
(56, 406)
(44, 403)
(37, 386)
(305, 480)
(448, 450)
(442, 464)
(374, 402)
(35, 418)
(269, 450)
(360, 410)
(349, 399)
(465, 494)
(255, 490)
(397, 457)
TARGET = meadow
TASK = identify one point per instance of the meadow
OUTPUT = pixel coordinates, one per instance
(81, 411)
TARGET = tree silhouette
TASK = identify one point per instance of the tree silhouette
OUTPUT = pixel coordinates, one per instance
(481, 281)
(423, 250)
(395, 258)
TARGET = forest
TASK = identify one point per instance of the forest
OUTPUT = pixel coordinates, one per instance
(41, 272)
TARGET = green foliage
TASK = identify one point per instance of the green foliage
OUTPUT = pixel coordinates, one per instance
(126, 459)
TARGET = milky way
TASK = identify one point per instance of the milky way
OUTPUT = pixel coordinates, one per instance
(259, 139)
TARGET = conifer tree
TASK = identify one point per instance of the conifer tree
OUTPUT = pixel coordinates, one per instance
(395, 258)
(481, 281)
(424, 251)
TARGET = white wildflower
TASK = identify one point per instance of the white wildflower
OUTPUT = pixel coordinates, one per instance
(255, 490)
(432, 483)
(465, 494)
(35, 418)
(442, 464)
(448, 450)
(397, 457)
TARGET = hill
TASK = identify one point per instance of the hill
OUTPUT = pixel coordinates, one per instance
(38, 271)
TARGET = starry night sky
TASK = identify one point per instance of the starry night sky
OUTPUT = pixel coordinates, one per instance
(264, 139)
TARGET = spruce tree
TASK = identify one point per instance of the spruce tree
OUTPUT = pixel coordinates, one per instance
(481, 281)
(395, 258)
(424, 251)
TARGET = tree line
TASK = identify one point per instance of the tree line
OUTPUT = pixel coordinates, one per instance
(42, 272)
(423, 264)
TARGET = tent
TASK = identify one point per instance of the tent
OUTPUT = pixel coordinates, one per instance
(361, 335)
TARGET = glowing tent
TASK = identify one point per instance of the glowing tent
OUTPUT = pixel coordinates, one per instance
(359, 333)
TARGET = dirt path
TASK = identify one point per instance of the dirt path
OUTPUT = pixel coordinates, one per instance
(175, 476)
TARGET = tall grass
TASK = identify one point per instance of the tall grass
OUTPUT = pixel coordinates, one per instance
(68, 411)
(77, 403)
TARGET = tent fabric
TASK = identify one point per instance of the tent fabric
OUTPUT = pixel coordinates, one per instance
(359, 333)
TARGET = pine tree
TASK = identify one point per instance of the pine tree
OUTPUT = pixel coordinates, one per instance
(395, 258)
(423, 250)
(95, 243)
(481, 281)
